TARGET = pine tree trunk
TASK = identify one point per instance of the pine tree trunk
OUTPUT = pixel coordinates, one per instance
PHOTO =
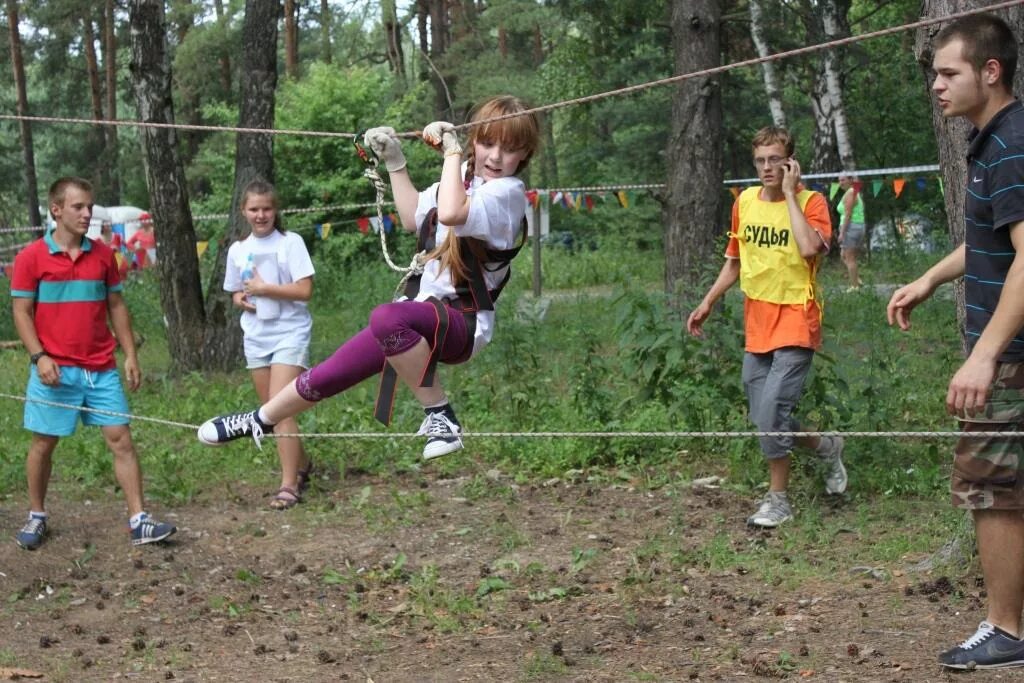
(27, 147)
(177, 263)
(291, 39)
(694, 185)
(254, 159)
(771, 80)
(326, 51)
(112, 152)
(224, 58)
(92, 70)
(951, 137)
(393, 35)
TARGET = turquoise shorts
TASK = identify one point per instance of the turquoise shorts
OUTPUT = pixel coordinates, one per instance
(80, 388)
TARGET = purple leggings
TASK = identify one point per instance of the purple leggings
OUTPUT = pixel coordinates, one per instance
(394, 328)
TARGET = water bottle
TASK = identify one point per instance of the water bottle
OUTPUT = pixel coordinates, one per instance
(250, 268)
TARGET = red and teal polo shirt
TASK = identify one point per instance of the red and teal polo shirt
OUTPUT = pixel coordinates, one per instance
(70, 300)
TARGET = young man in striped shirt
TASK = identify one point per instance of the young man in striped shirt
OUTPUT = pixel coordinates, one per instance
(64, 287)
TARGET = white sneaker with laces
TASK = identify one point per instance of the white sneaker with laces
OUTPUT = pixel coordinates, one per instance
(774, 510)
(443, 435)
(831, 452)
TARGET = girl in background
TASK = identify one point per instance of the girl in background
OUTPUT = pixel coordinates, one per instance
(270, 277)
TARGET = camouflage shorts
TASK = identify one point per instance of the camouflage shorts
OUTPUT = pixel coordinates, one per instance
(987, 470)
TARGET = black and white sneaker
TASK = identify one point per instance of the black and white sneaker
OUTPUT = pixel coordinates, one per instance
(443, 435)
(224, 428)
(989, 648)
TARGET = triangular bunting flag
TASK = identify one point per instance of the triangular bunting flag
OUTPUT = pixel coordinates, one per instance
(942, 190)
(579, 201)
(556, 197)
(590, 202)
(623, 199)
(897, 185)
(833, 188)
(532, 196)
(201, 248)
(363, 224)
(876, 187)
(318, 229)
(735, 192)
(389, 223)
(325, 230)
(921, 183)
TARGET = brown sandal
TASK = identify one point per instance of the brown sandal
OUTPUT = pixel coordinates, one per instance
(285, 498)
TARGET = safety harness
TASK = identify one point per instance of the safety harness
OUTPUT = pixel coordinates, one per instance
(470, 296)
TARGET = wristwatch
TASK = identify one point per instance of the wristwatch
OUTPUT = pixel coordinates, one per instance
(36, 356)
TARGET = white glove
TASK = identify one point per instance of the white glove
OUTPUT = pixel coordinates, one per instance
(382, 142)
(442, 134)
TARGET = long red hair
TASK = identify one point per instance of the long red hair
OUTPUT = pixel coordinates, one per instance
(516, 133)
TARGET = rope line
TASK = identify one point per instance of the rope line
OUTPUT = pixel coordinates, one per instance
(713, 434)
(178, 126)
(628, 90)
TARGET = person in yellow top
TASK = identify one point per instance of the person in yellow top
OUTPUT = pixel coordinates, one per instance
(778, 231)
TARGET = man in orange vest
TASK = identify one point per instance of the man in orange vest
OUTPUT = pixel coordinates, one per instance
(778, 231)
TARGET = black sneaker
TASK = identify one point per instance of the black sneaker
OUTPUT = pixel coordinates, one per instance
(224, 428)
(442, 434)
(989, 648)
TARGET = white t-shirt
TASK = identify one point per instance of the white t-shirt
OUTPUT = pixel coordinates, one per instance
(280, 259)
(496, 212)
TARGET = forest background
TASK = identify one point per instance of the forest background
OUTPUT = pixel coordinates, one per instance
(344, 66)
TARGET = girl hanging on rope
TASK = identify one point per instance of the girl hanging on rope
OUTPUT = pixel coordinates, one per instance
(270, 277)
(471, 223)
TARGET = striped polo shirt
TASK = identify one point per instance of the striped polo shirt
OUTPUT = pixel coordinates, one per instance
(70, 300)
(995, 201)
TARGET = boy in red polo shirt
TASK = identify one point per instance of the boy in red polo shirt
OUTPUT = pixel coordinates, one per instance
(64, 287)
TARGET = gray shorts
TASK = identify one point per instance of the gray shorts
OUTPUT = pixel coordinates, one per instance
(853, 238)
(774, 382)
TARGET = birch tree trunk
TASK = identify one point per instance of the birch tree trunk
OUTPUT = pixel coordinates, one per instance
(833, 17)
(27, 148)
(771, 80)
(177, 263)
(694, 185)
(111, 154)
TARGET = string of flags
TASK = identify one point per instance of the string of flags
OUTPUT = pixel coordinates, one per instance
(876, 186)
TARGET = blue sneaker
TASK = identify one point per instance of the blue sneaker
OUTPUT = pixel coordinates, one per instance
(151, 531)
(989, 648)
(32, 534)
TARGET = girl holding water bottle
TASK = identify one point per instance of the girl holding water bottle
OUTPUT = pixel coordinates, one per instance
(270, 277)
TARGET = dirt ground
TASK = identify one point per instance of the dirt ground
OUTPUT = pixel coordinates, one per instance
(414, 577)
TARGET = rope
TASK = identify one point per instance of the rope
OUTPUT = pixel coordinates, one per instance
(730, 434)
(628, 90)
(179, 126)
(98, 411)
(419, 259)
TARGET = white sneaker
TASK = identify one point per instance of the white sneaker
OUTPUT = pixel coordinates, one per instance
(442, 435)
(774, 511)
(831, 452)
